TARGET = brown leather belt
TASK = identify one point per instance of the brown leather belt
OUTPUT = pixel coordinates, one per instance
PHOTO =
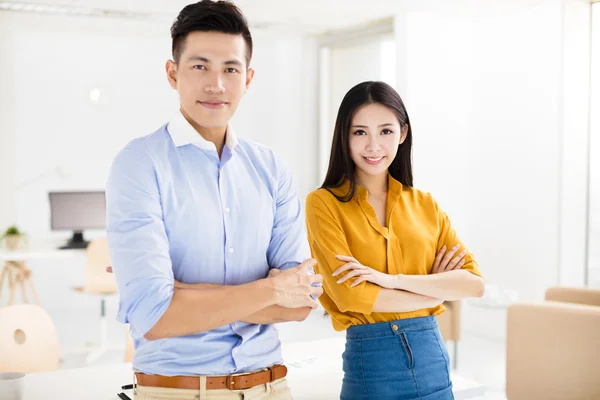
(231, 382)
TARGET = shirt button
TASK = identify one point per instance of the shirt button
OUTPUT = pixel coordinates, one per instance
(227, 209)
(231, 250)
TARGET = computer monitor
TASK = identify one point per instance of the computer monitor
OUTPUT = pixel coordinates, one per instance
(77, 211)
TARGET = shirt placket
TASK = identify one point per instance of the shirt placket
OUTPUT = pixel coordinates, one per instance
(226, 206)
(394, 251)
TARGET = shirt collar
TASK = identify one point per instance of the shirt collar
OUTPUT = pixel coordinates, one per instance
(183, 133)
(394, 187)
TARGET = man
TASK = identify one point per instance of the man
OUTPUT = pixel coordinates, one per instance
(207, 237)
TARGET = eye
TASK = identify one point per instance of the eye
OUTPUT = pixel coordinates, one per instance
(360, 132)
(387, 132)
(200, 67)
(231, 70)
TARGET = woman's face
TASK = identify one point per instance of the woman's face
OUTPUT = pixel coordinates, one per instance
(375, 134)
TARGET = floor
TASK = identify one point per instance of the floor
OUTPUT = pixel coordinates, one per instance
(479, 358)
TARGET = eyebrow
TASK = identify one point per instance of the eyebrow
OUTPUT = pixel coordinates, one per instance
(364, 126)
(206, 60)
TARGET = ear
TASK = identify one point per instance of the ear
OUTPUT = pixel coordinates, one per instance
(403, 134)
(171, 69)
(249, 77)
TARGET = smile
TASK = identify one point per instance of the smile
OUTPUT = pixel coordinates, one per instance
(213, 105)
(373, 160)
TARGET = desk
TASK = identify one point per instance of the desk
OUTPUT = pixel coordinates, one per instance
(310, 364)
(38, 251)
(13, 267)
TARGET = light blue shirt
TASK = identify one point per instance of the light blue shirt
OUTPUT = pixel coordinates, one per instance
(177, 211)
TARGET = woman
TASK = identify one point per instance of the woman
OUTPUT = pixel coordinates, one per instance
(388, 254)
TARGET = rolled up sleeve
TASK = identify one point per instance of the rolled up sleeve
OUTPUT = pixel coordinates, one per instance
(449, 238)
(137, 240)
(327, 240)
(288, 246)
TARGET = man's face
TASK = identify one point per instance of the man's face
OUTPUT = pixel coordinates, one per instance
(211, 77)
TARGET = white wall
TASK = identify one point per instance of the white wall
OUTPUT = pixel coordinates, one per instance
(7, 138)
(514, 152)
(438, 58)
(594, 195)
(574, 142)
(48, 66)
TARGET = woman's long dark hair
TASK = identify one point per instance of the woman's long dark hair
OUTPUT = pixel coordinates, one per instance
(341, 166)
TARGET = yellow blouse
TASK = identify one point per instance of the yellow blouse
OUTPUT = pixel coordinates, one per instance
(416, 230)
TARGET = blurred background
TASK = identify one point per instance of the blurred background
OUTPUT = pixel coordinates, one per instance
(504, 99)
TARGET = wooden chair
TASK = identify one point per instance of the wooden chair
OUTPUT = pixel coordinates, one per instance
(28, 340)
(17, 276)
(100, 283)
(449, 323)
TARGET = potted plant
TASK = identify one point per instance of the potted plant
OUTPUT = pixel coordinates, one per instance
(13, 237)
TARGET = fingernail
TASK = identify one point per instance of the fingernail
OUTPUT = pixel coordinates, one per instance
(456, 246)
(463, 252)
(339, 281)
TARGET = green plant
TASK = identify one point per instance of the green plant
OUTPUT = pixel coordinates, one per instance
(12, 230)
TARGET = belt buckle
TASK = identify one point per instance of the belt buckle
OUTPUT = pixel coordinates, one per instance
(230, 380)
(271, 373)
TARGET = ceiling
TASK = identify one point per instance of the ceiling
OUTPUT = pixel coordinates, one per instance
(309, 16)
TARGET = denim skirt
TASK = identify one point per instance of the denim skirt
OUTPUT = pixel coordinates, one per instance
(397, 360)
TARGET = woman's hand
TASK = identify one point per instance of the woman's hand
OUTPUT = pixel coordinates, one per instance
(444, 262)
(362, 273)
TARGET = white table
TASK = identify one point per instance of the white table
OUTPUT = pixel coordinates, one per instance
(38, 251)
(19, 274)
(310, 365)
